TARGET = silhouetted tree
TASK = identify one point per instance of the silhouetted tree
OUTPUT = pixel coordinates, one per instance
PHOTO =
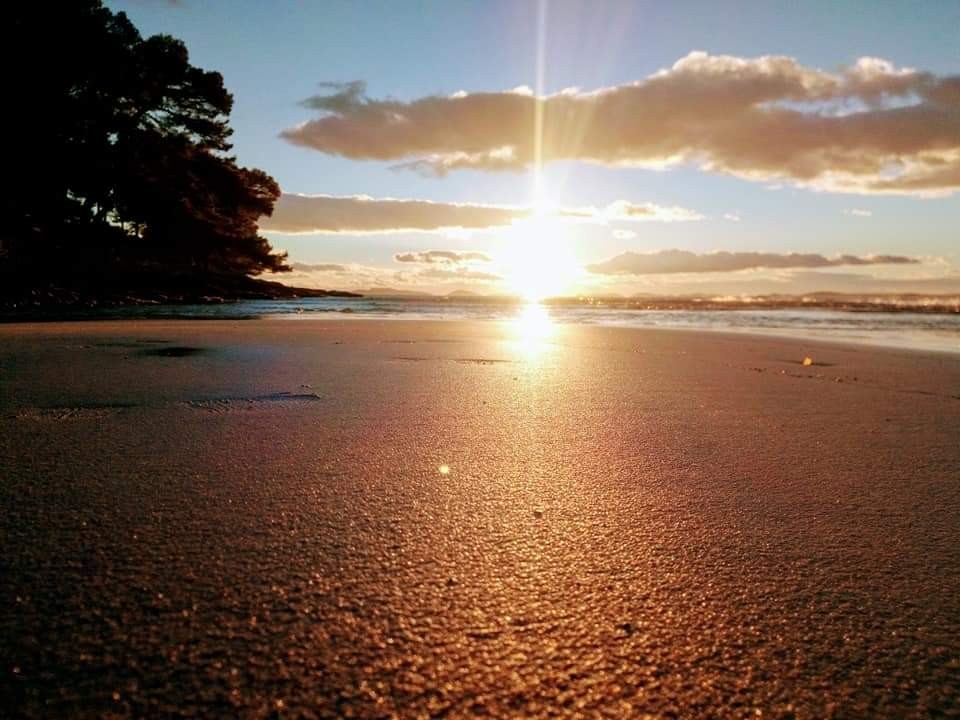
(117, 150)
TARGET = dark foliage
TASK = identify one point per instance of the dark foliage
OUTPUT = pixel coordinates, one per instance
(117, 152)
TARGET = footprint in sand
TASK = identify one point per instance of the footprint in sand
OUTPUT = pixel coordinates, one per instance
(68, 413)
(176, 351)
(480, 361)
(232, 404)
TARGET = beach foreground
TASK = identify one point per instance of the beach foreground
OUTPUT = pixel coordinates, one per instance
(376, 518)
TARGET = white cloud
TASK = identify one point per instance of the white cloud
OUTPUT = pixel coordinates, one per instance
(869, 128)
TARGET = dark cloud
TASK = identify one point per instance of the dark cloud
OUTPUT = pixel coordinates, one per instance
(871, 127)
(681, 261)
(344, 97)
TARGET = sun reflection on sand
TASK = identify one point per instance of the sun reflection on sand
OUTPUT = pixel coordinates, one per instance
(532, 329)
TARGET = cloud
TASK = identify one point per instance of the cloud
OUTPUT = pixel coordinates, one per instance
(343, 97)
(318, 268)
(359, 214)
(857, 212)
(296, 214)
(625, 211)
(441, 256)
(682, 261)
(868, 128)
(446, 266)
(425, 273)
(732, 216)
(645, 212)
(342, 275)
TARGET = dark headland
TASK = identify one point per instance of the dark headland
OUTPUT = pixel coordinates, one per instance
(31, 295)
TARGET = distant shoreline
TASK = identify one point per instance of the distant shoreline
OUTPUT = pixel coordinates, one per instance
(933, 332)
(223, 290)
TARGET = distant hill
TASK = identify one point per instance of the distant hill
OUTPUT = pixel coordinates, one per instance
(393, 292)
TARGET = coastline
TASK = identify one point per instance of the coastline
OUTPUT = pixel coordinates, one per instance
(219, 516)
(926, 332)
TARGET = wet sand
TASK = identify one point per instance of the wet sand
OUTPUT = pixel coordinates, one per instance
(250, 519)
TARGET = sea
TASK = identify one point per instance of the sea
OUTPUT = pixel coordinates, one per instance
(906, 328)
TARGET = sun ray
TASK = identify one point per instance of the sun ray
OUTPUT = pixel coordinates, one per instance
(538, 258)
(538, 191)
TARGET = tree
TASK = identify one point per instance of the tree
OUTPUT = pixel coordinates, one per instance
(119, 150)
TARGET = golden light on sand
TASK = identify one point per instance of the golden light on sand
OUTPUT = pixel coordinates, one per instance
(534, 322)
(532, 329)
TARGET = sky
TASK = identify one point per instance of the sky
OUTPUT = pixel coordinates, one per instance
(550, 147)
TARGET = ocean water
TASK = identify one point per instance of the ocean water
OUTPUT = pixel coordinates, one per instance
(915, 330)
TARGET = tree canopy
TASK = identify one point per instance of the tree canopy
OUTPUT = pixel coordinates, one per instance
(118, 151)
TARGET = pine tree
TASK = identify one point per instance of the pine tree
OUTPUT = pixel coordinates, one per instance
(119, 150)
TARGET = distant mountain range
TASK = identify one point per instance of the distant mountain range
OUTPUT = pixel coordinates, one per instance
(865, 302)
(393, 292)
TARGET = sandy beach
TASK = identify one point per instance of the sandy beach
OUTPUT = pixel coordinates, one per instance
(336, 518)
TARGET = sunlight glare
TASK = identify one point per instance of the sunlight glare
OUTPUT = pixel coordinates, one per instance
(539, 260)
(532, 329)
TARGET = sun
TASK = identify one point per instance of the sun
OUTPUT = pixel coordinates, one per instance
(538, 260)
